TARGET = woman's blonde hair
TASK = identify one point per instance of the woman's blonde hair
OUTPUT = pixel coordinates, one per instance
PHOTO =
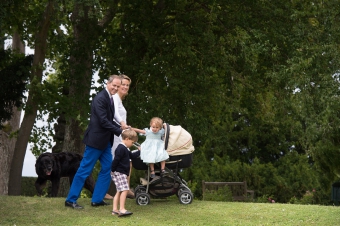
(126, 77)
(158, 121)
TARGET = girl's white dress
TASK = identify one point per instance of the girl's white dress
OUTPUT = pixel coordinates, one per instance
(152, 149)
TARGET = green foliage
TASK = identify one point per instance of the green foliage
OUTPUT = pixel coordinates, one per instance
(256, 83)
(292, 175)
(14, 76)
(221, 194)
(264, 199)
(27, 186)
(307, 199)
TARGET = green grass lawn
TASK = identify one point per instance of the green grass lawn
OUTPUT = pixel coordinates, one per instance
(19, 210)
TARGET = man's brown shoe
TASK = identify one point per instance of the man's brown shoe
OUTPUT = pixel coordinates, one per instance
(108, 196)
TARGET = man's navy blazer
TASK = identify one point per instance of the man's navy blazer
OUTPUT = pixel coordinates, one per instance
(101, 128)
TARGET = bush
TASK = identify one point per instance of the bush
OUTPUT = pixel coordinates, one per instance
(221, 194)
(265, 199)
(290, 176)
(27, 186)
(307, 199)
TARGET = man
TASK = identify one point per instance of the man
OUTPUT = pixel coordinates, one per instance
(98, 139)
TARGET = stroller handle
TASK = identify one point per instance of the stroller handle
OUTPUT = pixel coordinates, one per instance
(166, 139)
(137, 145)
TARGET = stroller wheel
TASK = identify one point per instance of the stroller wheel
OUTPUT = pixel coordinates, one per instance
(139, 189)
(143, 199)
(185, 197)
(180, 189)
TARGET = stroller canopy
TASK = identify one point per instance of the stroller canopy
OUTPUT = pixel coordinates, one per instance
(177, 141)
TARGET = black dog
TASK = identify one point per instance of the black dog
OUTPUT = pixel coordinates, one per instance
(53, 166)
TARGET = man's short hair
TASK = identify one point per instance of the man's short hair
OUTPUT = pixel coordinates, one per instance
(112, 77)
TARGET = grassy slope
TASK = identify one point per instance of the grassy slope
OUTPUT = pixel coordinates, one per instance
(51, 211)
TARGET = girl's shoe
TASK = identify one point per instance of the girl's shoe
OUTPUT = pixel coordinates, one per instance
(152, 175)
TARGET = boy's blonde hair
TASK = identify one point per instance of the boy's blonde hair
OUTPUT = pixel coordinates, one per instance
(158, 121)
(130, 134)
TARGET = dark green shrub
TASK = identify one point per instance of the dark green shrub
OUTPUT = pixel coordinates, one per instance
(27, 186)
(223, 193)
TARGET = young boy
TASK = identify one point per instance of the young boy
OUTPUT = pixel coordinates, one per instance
(120, 169)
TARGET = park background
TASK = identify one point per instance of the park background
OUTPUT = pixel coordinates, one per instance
(256, 83)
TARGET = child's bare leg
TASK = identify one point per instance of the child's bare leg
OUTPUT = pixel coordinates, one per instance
(152, 166)
(115, 201)
(128, 178)
(152, 169)
(162, 165)
(130, 193)
(122, 201)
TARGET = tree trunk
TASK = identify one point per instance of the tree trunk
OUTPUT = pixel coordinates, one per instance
(86, 31)
(59, 134)
(80, 78)
(7, 142)
(14, 186)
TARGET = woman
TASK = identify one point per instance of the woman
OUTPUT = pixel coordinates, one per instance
(120, 117)
(120, 111)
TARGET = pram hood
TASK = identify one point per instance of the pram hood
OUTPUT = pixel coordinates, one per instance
(178, 141)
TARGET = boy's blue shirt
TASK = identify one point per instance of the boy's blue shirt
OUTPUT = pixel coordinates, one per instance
(121, 161)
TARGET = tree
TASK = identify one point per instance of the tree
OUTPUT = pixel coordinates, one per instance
(14, 78)
(14, 186)
(250, 81)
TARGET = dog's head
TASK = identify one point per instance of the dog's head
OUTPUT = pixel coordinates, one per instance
(45, 165)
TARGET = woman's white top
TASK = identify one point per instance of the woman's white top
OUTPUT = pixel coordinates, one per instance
(120, 115)
(120, 112)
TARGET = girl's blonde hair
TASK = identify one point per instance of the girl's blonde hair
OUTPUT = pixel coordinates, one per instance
(158, 121)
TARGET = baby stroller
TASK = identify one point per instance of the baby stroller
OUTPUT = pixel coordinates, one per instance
(178, 144)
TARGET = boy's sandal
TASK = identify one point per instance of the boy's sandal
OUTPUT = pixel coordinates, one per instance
(115, 212)
(127, 213)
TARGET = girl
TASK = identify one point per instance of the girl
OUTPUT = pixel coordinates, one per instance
(153, 146)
